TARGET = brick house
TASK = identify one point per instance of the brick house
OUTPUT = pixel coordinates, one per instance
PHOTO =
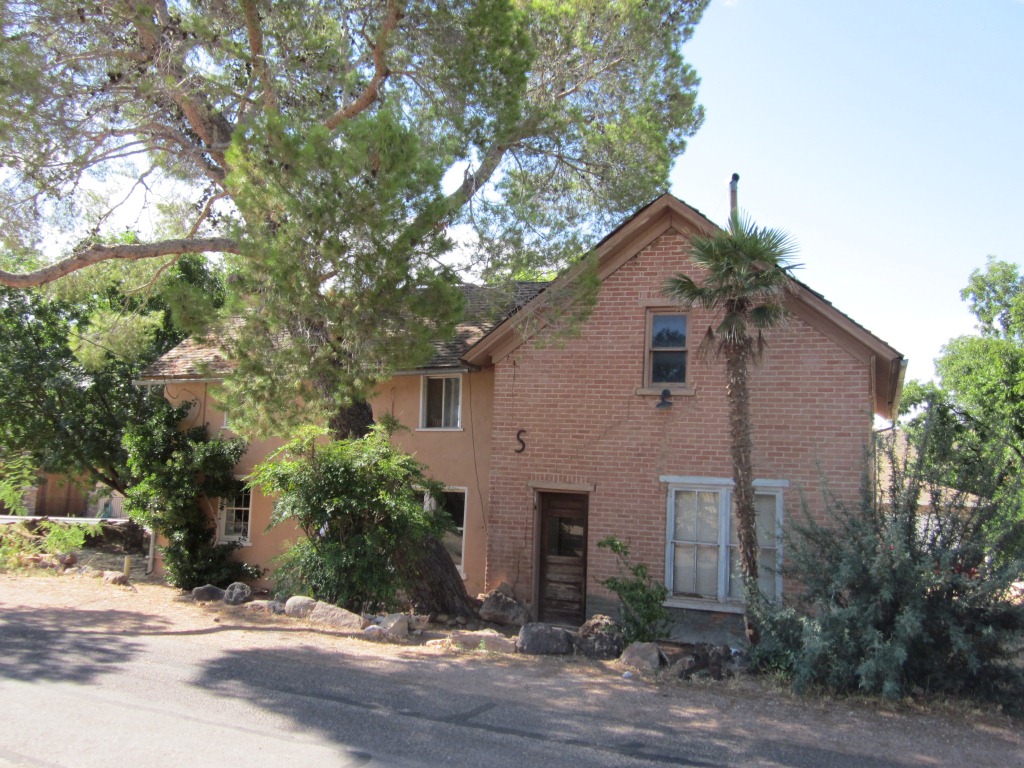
(551, 442)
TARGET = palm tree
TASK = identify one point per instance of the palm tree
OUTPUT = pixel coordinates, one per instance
(747, 274)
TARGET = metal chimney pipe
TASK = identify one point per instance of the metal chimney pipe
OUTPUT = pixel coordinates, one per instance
(733, 205)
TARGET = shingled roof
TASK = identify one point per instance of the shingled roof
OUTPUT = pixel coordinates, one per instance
(202, 358)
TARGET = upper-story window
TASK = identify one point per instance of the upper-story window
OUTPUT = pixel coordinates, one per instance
(666, 349)
(442, 402)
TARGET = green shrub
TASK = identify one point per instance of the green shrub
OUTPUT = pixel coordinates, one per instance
(17, 541)
(360, 505)
(176, 470)
(642, 612)
(902, 596)
(63, 538)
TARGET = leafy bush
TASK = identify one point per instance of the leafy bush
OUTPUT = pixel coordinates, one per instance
(909, 589)
(16, 541)
(62, 538)
(360, 504)
(177, 470)
(643, 614)
(17, 473)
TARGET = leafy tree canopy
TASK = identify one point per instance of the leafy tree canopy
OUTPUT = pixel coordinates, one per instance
(309, 141)
(68, 358)
(980, 387)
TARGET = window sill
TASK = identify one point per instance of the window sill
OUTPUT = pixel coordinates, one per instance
(439, 429)
(673, 391)
(698, 604)
(243, 543)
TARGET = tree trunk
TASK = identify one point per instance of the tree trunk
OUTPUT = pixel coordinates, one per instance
(743, 480)
(437, 585)
(351, 421)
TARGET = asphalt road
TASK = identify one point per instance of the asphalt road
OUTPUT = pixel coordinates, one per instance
(108, 687)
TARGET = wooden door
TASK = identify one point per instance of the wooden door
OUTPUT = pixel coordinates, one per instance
(563, 558)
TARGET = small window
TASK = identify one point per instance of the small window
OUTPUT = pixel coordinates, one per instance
(233, 518)
(452, 504)
(441, 405)
(666, 349)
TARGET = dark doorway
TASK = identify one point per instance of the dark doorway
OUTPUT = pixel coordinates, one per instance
(563, 558)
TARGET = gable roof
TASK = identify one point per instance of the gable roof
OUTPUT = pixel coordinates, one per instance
(202, 358)
(668, 213)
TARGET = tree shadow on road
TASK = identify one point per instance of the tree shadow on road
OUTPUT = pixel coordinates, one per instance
(543, 709)
(68, 645)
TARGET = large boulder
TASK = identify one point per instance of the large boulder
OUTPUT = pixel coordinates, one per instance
(208, 593)
(483, 640)
(503, 609)
(396, 624)
(338, 618)
(647, 657)
(299, 606)
(544, 639)
(237, 593)
(601, 637)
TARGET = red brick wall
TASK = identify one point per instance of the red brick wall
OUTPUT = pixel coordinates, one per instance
(585, 424)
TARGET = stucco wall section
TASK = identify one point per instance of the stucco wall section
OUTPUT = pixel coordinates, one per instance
(585, 424)
(457, 458)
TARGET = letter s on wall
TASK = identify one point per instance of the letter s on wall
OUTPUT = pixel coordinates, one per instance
(519, 438)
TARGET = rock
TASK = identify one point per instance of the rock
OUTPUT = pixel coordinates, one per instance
(381, 635)
(544, 639)
(264, 606)
(396, 623)
(601, 637)
(438, 642)
(237, 593)
(647, 657)
(684, 668)
(502, 609)
(484, 640)
(333, 616)
(299, 606)
(506, 589)
(461, 620)
(440, 618)
(114, 577)
(68, 560)
(208, 593)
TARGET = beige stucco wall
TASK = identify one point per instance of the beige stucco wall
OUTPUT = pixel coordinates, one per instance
(458, 458)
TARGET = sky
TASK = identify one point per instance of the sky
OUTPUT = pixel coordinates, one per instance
(887, 137)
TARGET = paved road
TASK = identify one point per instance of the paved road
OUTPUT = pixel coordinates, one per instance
(109, 687)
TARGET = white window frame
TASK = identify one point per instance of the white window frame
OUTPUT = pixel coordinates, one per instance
(222, 509)
(423, 403)
(724, 487)
(430, 504)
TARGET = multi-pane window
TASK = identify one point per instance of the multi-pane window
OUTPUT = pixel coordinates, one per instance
(234, 517)
(702, 553)
(666, 349)
(452, 504)
(442, 397)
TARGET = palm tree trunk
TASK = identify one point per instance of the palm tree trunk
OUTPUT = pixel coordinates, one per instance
(738, 396)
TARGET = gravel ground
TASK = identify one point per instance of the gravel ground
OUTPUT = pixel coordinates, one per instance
(936, 733)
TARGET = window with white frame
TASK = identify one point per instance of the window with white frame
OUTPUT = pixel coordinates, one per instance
(441, 402)
(702, 560)
(452, 504)
(233, 517)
